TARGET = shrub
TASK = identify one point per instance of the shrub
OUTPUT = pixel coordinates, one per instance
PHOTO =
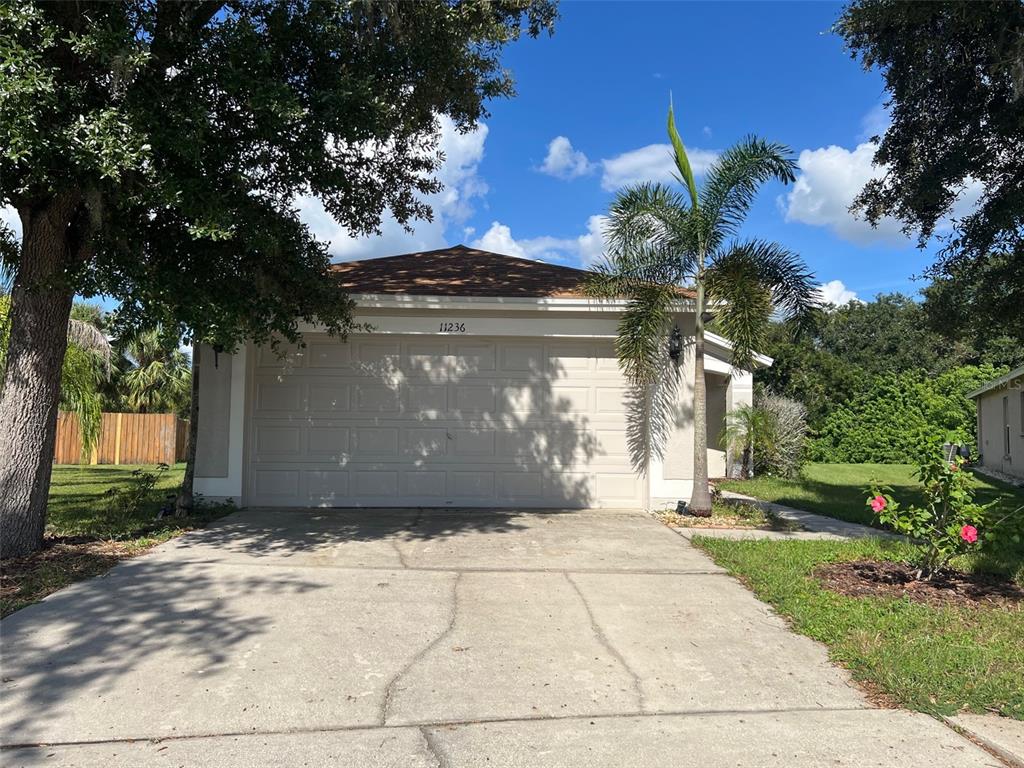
(902, 418)
(784, 453)
(950, 522)
(769, 437)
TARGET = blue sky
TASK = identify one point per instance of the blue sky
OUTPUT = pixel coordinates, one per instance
(602, 84)
(535, 177)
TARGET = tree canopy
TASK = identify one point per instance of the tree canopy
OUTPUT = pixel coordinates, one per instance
(954, 73)
(175, 138)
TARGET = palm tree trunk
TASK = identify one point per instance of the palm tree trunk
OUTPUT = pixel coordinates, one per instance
(40, 308)
(186, 500)
(700, 499)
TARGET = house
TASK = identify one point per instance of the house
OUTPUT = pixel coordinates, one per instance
(1000, 406)
(486, 381)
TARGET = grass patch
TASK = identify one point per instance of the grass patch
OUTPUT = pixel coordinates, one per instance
(918, 656)
(87, 534)
(837, 490)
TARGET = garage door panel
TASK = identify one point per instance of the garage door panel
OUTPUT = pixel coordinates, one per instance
(421, 484)
(278, 439)
(279, 483)
(440, 421)
(425, 442)
(380, 483)
(520, 358)
(328, 441)
(329, 354)
(329, 397)
(283, 397)
(470, 442)
(473, 399)
(426, 400)
(377, 398)
(472, 485)
(472, 358)
(376, 441)
(522, 485)
(327, 485)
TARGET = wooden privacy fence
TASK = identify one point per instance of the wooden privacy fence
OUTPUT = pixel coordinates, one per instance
(125, 438)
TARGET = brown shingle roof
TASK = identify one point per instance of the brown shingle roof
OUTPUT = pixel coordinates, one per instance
(460, 271)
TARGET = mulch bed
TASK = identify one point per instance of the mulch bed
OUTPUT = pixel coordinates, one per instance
(25, 580)
(867, 578)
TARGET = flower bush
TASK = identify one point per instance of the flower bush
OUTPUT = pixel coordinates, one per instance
(949, 522)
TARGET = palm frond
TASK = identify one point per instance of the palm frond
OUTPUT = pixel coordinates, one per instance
(682, 160)
(81, 374)
(750, 280)
(645, 213)
(642, 332)
(89, 337)
(732, 181)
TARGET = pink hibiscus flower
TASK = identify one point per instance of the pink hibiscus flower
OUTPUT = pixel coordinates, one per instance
(878, 504)
(969, 534)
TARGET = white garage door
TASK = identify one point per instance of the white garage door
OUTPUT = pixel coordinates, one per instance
(440, 421)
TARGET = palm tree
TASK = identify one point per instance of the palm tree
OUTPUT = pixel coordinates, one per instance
(748, 429)
(157, 378)
(661, 239)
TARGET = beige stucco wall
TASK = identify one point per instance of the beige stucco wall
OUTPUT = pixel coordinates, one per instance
(214, 436)
(992, 431)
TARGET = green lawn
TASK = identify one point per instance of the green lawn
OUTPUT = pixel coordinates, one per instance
(920, 657)
(837, 490)
(87, 533)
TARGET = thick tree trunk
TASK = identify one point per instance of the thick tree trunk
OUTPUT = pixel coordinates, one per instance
(700, 499)
(186, 499)
(40, 308)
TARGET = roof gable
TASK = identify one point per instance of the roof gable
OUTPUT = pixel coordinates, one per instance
(460, 271)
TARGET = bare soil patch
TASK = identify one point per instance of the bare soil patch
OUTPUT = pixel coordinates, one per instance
(869, 578)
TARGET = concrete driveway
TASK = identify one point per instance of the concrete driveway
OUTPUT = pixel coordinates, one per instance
(401, 638)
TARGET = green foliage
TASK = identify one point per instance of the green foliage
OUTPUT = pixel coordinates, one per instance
(837, 490)
(173, 140)
(901, 418)
(976, 309)
(125, 503)
(956, 95)
(155, 376)
(950, 522)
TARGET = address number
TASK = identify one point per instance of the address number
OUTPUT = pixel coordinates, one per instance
(452, 328)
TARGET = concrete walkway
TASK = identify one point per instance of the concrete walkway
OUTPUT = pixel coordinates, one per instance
(400, 638)
(811, 526)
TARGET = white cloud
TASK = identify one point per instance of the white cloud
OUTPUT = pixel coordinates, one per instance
(706, 130)
(459, 173)
(586, 249)
(829, 179)
(875, 122)
(835, 292)
(651, 163)
(565, 162)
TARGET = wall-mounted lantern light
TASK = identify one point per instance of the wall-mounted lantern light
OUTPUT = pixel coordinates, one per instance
(675, 344)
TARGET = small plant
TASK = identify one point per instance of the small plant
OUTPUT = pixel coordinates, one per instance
(129, 501)
(950, 522)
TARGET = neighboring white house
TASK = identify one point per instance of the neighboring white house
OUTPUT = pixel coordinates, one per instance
(487, 381)
(1001, 423)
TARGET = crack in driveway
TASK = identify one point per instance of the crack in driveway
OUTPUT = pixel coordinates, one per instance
(389, 689)
(603, 639)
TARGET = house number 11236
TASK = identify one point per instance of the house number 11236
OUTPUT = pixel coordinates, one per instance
(453, 328)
